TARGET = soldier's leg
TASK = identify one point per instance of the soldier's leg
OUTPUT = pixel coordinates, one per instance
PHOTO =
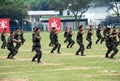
(77, 53)
(108, 51)
(115, 51)
(2, 46)
(35, 56)
(72, 43)
(69, 43)
(59, 46)
(14, 52)
(5, 44)
(39, 54)
(33, 47)
(10, 53)
(22, 41)
(82, 49)
(18, 45)
(89, 44)
(50, 44)
(54, 48)
(66, 40)
(98, 40)
(102, 39)
(119, 42)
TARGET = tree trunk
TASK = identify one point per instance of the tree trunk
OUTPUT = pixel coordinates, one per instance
(76, 22)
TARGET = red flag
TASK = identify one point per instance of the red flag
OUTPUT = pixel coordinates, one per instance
(55, 22)
(4, 23)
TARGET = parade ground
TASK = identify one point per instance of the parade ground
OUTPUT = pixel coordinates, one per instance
(60, 67)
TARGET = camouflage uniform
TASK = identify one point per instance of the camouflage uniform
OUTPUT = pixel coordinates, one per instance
(3, 40)
(17, 36)
(51, 38)
(99, 36)
(70, 40)
(11, 47)
(56, 43)
(80, 42)
(66, 36)
(22, 38)
(88, 38)
(37, 48)
(111, 46)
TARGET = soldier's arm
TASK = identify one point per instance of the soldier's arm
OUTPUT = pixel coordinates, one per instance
(16, 41)
(83, 32)
(39, 37)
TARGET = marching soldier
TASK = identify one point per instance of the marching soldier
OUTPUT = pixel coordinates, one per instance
(119, 36)
(88, 37)
(111, 46)
(56, 43)
(3, 39)
(80, 41)
(17, 36)
(51, 36)
(22, 37)
(114, 32)
(69, 38)
(33, 34)
(66, 35)
(11, 47)
(104, 31)
(37, 46)
(98, 34)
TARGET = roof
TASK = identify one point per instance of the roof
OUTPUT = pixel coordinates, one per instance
(45, 13)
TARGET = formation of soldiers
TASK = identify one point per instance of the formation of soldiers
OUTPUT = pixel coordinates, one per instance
(15, 37)
(109, 37)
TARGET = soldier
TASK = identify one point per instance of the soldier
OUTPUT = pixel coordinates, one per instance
(51, 36)
(21, 37)
(111, 46)
(33, 34)
(88, 37)
(98, 34)
(66, 35)
(56, 43)
(69, 38)
(37, 46)
(3, 35)
(114, 32)
(80, 41)
(104, 31)
(17, 36)
(119, 36)
(11, 47)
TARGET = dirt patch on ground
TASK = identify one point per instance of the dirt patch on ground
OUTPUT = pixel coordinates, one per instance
(23, 59)
(74, 68)
(51, 64)
(14, 79)
(6, 66)
(16, 72)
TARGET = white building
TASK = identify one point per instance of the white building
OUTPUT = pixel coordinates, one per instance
(95, 15)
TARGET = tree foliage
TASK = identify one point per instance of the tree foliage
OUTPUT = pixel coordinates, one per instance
(38, 4)
(13, 9)
(75, 6)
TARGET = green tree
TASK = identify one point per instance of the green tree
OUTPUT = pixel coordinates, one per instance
(37, 4)
(13, 9)
(75, 6)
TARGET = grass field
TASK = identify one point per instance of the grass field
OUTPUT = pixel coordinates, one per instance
(64, 67)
